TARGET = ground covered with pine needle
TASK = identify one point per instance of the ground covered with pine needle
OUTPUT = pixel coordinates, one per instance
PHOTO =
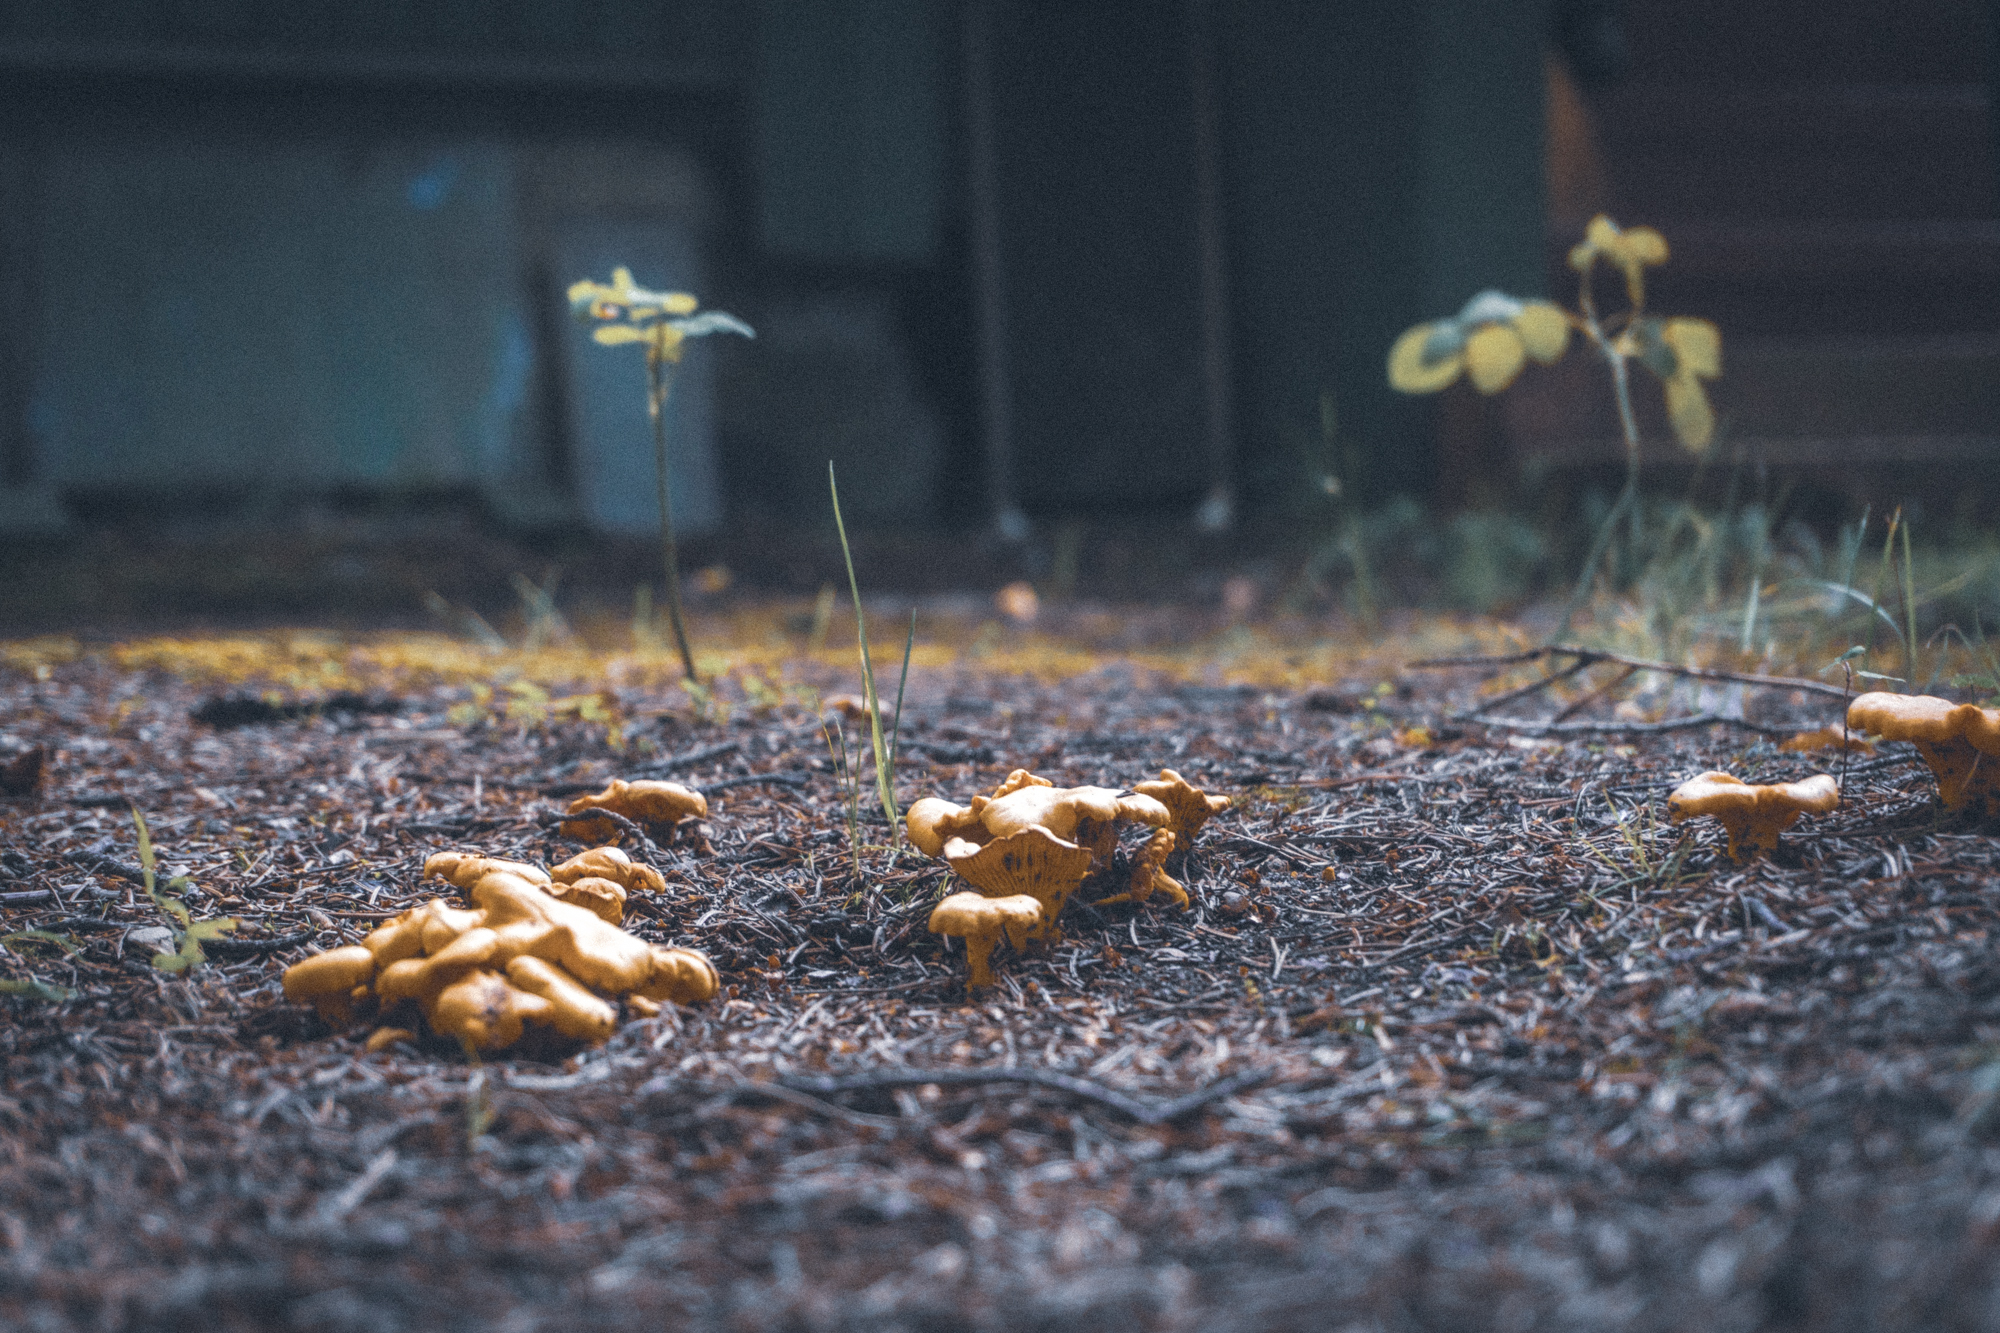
(1458, 1033)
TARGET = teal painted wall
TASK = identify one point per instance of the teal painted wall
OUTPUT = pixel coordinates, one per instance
(850, 128)
(1385, 162)
(277, 314)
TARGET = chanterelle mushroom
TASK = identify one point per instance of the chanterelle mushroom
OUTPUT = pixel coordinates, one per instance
(600, 879)
(1828, 737)
(1189, 806)
(1033, 862)
(646, 801)
(1086, 816)
(1752, 816)
(1030, 837)
(519, 956)
(982, 921)
(1960, 742)
(1149, 875)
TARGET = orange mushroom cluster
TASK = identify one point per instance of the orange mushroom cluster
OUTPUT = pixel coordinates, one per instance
(537, 948)
(1960, 742)
(1752, 816)
(1029, 838)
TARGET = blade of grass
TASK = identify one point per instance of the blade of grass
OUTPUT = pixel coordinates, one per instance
(896, 726)
(884, 778)
(1909, 605)
(1882, 578)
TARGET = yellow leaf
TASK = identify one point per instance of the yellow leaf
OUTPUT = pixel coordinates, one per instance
(611, 335)
(1544, 328)
(1494, 354)
(1645, 246)
(678, 303)
(1698, 345)
(1601, 234)
(1410, 371)
(1688, 409)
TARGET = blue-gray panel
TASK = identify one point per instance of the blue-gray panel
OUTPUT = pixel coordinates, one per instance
(678, 34)
(850, 138)
(278, 314)
(609, 431)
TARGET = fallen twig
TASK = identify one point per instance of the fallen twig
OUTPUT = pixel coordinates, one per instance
(1621, 728)
(688, 760)
(1591, 656)
(1132, 1108)
(757, 779)
(616, 820)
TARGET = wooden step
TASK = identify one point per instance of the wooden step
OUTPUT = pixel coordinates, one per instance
(1808, 41)
(1814, 404)
(1822, 151)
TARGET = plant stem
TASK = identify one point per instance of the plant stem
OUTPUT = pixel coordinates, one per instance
(659, 382)
(1621, 385)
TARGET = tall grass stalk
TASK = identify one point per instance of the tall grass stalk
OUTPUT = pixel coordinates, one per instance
(1909, 610)
(885, 782)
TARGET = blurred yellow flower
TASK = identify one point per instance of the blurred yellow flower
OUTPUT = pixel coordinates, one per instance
(1490, 339)
(1631, 250)
(628, 313)
(623, 299)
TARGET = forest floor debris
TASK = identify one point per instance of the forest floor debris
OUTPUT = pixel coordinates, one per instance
(1458, 1032)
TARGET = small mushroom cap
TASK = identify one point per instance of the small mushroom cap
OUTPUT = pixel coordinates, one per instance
(421, 979)
(933, 819)
(464, 870)
(1033, 861)
(1828, 737)
(968, 914)
(327, 980)
(573, 1011)
(647, 801)
(423, 929)
(1087, 816)
(613, 864)
(600, 897)
(681, 975)
(1960, 742)
(1189, 806)
(1753, 816)
(981, 921)
(1922, 718)
(485, 1012)
(443, 923)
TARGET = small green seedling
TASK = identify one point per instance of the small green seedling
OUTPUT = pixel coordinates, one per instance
(189, 932)
(34, 988)
(662, 322)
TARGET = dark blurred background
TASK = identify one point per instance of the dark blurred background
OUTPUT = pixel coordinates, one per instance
(282, 282)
